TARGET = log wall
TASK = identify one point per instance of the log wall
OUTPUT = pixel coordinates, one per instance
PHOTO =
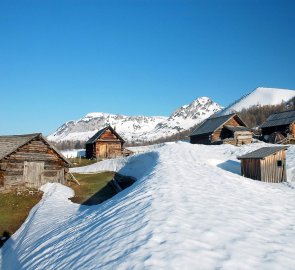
(12, 168)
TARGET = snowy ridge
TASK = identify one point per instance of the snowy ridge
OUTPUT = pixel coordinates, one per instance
(137, 128)
(189, 209)
(259, 96)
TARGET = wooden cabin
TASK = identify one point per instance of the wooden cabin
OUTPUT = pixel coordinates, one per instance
(106, 143)
(29, 161)
(228, 129)
(279, 127)
(266, 164)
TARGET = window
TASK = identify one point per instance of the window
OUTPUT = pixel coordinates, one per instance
(279, 163)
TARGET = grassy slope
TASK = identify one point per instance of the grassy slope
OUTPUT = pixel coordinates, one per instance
(93, 189)
(15, 209)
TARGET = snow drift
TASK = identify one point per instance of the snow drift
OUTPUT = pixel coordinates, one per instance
(189, 209)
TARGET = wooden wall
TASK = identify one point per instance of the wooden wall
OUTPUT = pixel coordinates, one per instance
(270, 171)
(292, 129)
(250, 168)
(222, 133)
(200, 139)
(107, 146)
(266, 169)
(32, 165)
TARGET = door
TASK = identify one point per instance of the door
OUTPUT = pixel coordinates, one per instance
(33, 174)
(103, 150)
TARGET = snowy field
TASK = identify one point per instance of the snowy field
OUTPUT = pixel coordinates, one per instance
(189, 209)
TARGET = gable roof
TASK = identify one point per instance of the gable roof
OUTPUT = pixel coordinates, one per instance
(212, 123)
(279, 119)
(263, 152)
(10, 143)
(97, 135)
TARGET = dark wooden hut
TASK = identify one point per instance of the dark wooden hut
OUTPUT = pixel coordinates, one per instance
(106, 143)
(29, 161)
(222, 129)
(278, 127)
(266, 164)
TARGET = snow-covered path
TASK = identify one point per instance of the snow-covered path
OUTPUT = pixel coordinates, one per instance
(188, 210)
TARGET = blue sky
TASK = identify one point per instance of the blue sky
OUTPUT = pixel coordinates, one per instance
(62, 59)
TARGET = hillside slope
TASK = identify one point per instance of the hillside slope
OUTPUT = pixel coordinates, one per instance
(260, 96)
(189, 209)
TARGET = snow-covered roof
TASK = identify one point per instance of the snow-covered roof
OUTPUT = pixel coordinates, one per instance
(279, 119)
(263, 152)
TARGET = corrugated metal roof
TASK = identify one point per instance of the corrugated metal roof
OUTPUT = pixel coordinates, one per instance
(237, 128)
(9, 144)
(211, 124)
(97, 135)
(279, 119)
(263, 152)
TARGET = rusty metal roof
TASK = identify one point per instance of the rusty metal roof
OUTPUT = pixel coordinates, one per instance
(263, 152)
(279, 119)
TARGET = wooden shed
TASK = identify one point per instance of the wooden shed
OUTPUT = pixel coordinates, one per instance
(279, 127)
(266, 164)
(106, 143)
(29, 161)
(228, 129)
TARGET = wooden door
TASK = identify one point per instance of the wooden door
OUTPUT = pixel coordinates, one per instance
(33, 174)
(103, 150)
(60, 176)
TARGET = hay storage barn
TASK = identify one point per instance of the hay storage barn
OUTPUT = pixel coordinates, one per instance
(279, 126)
(222, 129)
(29, 161)
(106, 143)
(266, 164)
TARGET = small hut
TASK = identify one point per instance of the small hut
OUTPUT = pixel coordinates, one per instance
(224, 129)
(106, 143)
(266, 164)
(29, 161)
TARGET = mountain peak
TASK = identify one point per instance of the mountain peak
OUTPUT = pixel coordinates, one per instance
(138, 128)
(259, 96)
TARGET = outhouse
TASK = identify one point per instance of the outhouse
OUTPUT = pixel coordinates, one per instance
(266, 164)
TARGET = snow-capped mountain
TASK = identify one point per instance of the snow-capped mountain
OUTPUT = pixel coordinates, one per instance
(259, 96)
(138, 128)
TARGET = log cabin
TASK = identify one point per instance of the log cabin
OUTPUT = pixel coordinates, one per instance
(278, 127)
(106, 143)
(266, 164)
(225, 129)
(29, 161)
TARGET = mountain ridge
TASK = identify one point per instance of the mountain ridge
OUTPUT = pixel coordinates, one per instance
(137, 128)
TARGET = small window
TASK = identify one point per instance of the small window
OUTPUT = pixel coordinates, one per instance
(280, 163)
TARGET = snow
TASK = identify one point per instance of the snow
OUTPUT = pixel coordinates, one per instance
(260, 96)
(188, 209)
(137, 128)
(73, 153)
